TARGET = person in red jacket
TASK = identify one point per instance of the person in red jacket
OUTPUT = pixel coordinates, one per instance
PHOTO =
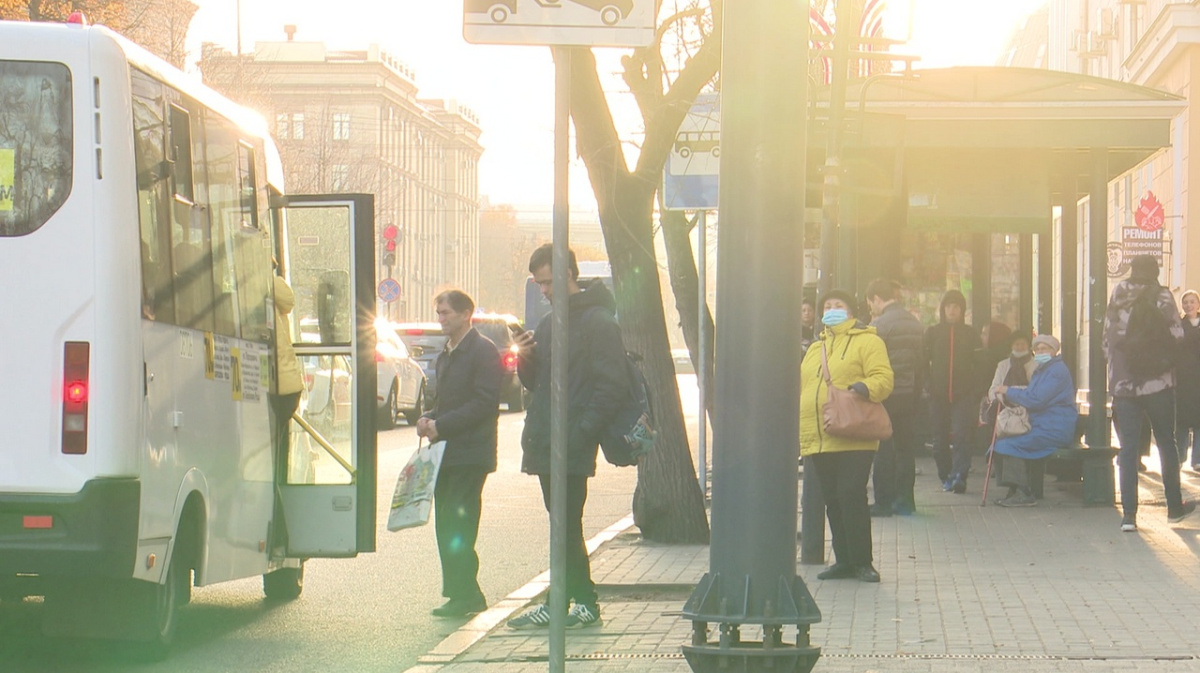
(954, 390)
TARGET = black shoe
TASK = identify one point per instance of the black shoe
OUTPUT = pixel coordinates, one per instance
(837, 571)
(868, 573)
(460, 607)
(959, 486)
(878, 510)
(1188, 508)
(903, 508)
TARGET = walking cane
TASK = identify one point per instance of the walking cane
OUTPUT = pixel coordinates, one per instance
(987, 477)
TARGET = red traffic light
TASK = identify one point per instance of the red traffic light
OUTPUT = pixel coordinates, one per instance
(390, 232)
(389, 246)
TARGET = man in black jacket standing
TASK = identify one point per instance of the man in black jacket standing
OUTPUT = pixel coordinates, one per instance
(954, 390)
(596, 386)
(465, 415)
(895, 462)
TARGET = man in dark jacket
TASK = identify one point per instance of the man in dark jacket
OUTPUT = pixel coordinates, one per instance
(465, 415)
(596, 387)
(895, 462)
(954, 390)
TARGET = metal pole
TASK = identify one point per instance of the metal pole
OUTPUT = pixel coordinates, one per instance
(831, 193)
(751, 587)
(238, 20)
(558, 363)
(1069, 276)
(702, 356)
(1098, 424)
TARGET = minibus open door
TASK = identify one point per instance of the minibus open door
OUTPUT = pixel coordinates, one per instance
(327, 483)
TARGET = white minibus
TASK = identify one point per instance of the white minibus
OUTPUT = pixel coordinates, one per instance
(140, 216)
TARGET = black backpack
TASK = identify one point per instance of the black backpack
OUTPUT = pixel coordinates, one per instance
(630, 434)
(1148, 345)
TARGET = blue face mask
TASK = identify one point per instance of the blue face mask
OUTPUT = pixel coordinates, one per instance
(1042, 358)
(835, 316)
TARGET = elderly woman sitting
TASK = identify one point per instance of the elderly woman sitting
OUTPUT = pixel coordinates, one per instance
(1050, 401)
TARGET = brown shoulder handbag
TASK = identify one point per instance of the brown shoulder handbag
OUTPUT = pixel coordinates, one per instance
(848, 415)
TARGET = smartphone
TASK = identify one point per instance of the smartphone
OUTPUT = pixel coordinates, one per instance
(516, 329)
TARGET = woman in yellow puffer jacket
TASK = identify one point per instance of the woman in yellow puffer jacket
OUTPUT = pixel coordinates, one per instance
(858, 361)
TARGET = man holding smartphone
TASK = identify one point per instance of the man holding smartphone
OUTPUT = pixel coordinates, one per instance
(596, 388)
(464, 416)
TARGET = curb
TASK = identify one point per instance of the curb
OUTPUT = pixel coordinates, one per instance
(482, 624)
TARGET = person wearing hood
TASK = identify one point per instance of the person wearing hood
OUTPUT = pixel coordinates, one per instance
(858, 361)
(596, 387)
(1141, 378)
(1187, 381)
(1048, 394)
(951, 358)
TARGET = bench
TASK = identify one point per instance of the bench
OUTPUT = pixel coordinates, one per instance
(1093, 465)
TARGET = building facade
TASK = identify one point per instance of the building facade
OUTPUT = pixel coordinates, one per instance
(1152, 43)
(352, 121)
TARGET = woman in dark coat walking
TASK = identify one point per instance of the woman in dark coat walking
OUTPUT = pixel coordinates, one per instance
(1187, 381)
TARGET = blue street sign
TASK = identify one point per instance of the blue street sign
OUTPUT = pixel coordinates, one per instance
(389, 290)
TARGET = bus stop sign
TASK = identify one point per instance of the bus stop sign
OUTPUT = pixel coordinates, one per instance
(587, 23)
(690, 178)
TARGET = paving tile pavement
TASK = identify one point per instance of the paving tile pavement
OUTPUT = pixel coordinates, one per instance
(965, 588)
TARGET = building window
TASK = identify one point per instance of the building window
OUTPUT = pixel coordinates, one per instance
(298, 126)
(281, 126)
(341, 126)
(339, 174)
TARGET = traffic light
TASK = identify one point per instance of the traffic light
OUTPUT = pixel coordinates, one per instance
(389, 244)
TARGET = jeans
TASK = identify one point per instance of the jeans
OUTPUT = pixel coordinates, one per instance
(895, 463)
(457, 502)
(1159, 408)
(953, 424)
(580, 587)
(843, 476)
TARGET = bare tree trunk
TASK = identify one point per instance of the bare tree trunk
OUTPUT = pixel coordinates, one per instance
(685, 285)
(668, 505)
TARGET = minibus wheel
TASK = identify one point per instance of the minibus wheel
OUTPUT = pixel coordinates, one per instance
(284, 584)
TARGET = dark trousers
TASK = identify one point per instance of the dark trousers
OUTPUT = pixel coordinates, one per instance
(1014, 473)
(457, 503)
(953, 426)
(281, 408)
(1159, 408)
(1187, 434)
(843, 476)
(895, 462)
(579, 569)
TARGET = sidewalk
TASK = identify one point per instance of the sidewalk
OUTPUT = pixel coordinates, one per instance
(965, 588)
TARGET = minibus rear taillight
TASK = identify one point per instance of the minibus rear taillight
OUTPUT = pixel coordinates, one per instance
(75, 397)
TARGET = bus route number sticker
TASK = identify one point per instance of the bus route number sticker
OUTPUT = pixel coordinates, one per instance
(235, 372)
(8, 183)
(187, 347)
(210, 356)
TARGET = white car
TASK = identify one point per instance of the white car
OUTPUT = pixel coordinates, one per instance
(401, 383)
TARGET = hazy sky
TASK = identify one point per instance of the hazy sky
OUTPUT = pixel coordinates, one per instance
(512, 88)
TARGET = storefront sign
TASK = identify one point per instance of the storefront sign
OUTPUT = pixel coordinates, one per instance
(1149, 216)
(1140, 241)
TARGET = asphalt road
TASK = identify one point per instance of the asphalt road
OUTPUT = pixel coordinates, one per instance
(370, 613)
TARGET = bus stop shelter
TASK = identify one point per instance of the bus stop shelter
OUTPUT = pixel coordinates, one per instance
(977, 151)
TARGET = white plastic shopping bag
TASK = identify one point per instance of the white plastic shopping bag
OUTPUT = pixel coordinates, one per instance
(413, 499)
